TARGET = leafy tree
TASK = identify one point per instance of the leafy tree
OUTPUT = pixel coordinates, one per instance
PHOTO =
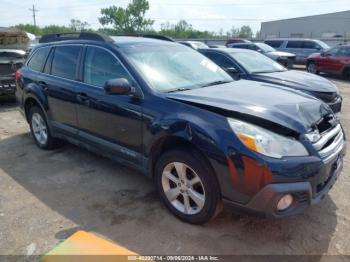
(29, 28)
(52, 29)
(127, 20)
(78, 26)
(245, 32)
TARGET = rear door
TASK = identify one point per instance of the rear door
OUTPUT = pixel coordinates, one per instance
(61, 83)
(109, 122)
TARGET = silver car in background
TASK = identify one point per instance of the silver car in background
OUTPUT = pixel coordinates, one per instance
(284, 58)
(302, 48)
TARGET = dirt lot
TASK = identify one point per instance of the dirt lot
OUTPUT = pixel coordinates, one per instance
(47, 196)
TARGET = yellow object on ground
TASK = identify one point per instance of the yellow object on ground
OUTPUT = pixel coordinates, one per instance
(84, 246)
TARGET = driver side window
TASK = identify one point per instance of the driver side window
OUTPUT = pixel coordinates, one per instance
(101, 66)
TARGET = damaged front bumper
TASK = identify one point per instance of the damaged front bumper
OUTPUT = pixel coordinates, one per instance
(307, 193)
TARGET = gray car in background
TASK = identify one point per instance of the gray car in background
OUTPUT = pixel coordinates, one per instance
(284, 58)
(302, 48)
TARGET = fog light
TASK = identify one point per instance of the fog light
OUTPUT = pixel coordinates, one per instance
(285, 202)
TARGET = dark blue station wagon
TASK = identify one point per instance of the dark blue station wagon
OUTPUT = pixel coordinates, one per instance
(170, 112)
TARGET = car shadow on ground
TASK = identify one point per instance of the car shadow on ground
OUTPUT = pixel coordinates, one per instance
(101, 196)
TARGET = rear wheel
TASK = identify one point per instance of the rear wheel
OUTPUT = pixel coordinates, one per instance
(40, 130)
(187, 186)
(312, 68)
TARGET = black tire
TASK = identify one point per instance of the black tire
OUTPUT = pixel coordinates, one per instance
(51, 142)
(212, 204)
(309, 66)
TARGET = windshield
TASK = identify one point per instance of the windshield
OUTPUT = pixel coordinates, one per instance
(323, 44)
(174, 67)
(266, 48)
(199, 45)
(255, 62)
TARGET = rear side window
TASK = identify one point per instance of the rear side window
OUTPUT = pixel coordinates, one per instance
(37, 61)
(101, 66)
(65, 61)
(295, 44)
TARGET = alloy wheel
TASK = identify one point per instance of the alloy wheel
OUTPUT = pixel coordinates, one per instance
(183, 188)
(39, 129)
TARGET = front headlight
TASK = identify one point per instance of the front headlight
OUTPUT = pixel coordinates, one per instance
(266, 142)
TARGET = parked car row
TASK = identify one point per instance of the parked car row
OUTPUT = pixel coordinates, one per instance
(169, 111)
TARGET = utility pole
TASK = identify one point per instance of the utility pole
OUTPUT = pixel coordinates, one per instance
(34, 13)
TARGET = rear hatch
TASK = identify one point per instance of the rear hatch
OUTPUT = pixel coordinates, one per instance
(13, 47)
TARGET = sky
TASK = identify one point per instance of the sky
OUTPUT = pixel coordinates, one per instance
(211, 15)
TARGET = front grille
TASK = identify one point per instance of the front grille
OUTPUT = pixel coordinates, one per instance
(330, 143)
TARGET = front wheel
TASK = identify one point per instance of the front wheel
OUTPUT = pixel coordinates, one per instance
(312, 68)
(187, 186)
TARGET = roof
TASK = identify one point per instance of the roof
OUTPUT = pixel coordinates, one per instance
(229, 50)
(346, 13)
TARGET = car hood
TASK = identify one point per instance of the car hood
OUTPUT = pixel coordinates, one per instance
(280, 54)
(283, 106)
(299, 80)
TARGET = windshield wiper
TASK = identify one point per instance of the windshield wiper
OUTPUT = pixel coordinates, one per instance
(216, 83)
(178, 90)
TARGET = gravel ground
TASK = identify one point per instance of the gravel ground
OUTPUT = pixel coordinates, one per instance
(47, 196)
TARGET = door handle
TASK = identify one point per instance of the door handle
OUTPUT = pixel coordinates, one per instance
(83, 98)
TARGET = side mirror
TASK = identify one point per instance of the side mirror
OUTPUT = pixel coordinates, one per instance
(233, 72)
(118, 86)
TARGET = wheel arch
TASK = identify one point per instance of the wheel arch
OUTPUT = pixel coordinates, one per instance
(172, 142)
(31, 101)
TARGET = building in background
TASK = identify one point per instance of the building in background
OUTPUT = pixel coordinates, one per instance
(333, 27)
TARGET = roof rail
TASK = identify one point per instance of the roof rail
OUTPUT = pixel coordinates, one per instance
(75, 36)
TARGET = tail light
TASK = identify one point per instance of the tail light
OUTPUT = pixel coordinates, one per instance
(18, 75)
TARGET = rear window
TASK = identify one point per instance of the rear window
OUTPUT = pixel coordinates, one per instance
(65, 61)
(274, 43)
(37, 61)
(295, 44)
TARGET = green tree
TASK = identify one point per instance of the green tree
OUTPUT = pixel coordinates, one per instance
(36, 30)
(245, 32)
(78, 26)
(127, 20)
(53, 29)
